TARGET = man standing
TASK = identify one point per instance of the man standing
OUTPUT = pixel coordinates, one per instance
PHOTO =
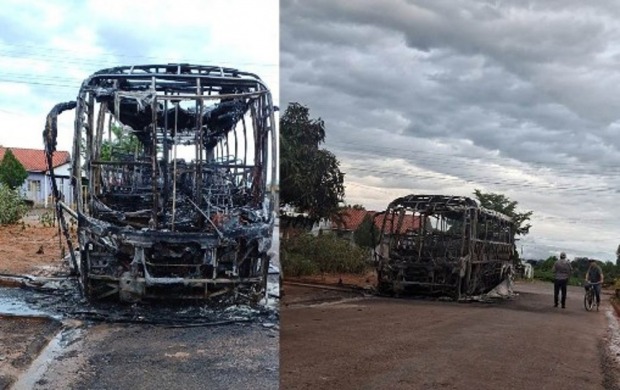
(561, 273)
(594, 276)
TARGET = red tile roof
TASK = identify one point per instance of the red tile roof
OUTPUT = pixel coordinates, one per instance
(352, 218)
(410, 222)
(34, 159)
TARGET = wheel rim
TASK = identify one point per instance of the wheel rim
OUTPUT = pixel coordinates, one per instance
(588, 301)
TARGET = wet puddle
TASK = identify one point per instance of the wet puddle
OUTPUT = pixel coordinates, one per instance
(51, 352)
(16, 305)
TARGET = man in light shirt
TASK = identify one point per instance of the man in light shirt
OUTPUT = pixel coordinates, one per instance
(561, 273)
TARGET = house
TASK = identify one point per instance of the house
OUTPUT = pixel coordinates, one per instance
(351, 218)
(37, 186)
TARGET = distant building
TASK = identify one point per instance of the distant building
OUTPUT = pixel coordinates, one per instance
(38, 187)
(351, 218)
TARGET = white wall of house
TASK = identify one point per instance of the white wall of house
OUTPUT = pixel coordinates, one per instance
(38, 186)
(34, 188)
(63, 170)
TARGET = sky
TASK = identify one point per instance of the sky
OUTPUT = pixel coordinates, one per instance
(519, 97)
(47, 48)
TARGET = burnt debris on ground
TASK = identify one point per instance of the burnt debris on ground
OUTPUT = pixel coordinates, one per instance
(61, 298)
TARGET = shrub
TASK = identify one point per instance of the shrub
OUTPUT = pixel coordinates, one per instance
(547, 276)
(47, 219)
(309, 255)
(294, 264)
(12, 206)
(12, 172)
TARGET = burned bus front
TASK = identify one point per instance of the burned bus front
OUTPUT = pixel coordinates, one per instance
(172, 169)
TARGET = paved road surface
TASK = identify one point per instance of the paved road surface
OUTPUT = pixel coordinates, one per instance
(155, 357)
(385, 343)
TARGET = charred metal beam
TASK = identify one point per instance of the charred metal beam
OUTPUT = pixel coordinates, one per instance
(50, 134)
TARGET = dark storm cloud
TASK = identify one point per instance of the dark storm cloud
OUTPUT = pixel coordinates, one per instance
(518, 63)
(514, 96)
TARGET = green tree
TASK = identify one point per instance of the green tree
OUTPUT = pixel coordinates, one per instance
(610, 270)
(12, 206)
(618, 256)
(366, 233)
(311, 180)
(547, 264)
(12, 172)
(503, 204)
(122, 143)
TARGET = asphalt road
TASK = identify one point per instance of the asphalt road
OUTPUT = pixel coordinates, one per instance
(109, 356)
(137, 346)
(388, 343)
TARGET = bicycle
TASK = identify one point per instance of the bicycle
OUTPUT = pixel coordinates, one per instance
(588, 298)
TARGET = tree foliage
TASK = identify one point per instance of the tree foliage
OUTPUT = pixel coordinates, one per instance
(580, 266)
(12, 172)
(503, 204)
(122, 143)
(366, 233)
(310, 177)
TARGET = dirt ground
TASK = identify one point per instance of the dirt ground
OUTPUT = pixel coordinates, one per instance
(388, 343)
(33, 249)
(30, 247)
(365, 281)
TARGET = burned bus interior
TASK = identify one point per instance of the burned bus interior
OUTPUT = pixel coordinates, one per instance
(172, 170)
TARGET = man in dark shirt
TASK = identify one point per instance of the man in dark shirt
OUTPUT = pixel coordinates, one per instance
(595, 277)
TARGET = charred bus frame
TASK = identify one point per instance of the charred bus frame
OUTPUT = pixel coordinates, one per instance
(442, 246)
(172, 172)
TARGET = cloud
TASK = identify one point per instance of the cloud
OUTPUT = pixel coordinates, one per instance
(48, 48)
(432, 96)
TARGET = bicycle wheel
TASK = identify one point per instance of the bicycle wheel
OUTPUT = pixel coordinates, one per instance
(588, 300)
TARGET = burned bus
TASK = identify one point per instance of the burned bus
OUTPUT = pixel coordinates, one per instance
(172, 170)
(437, 245)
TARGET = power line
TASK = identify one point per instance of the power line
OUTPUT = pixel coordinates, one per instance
(39, 83)
(450, 164)
(47, 53)
(359, 147)
(516, 183)
(536, 216)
